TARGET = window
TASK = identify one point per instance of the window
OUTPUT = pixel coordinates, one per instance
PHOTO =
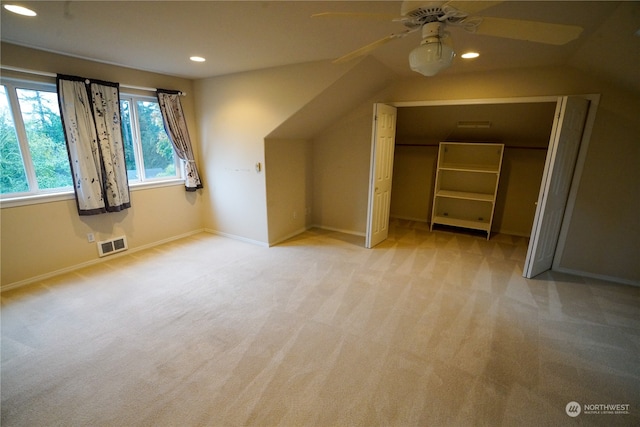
(148, 151)
(33, 152)
(13, 178)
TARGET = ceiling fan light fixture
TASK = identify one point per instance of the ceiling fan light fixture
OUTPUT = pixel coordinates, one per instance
(469, 55)
(433, 55)
(430, 58)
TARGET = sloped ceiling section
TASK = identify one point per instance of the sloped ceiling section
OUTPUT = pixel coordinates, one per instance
(515, 125)
(360, 83)
(614, 48)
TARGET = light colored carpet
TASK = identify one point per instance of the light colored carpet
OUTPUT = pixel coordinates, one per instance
(428, 329)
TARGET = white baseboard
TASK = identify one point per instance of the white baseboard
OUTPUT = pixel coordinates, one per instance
(513, 233)
(339, 230)
(597, 276)
(288, 236)
(236, 237)
(409, 218)
(74, 267)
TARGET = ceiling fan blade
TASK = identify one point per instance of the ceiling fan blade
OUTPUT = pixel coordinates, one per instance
(472, 7)
(371, 46)
(540, 32)
(363, 50)
(356, 15)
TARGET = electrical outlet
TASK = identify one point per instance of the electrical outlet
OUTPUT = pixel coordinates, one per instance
(91, 238)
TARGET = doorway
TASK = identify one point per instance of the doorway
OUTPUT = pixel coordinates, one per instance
(573, 178)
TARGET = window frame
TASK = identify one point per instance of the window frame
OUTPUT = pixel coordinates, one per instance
(67, 193)
(137, 143)
(11, 86)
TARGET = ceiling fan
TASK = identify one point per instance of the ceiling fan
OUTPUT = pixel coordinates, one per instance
(435, 52)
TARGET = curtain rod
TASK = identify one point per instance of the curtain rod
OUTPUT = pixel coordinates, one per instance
(47, 74)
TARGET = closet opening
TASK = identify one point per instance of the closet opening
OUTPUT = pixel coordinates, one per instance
(529, 128)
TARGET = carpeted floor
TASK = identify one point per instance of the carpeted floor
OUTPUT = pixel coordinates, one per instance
(427, 329)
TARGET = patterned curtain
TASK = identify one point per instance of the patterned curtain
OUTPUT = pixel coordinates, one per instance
(176, 127)
(90, 112)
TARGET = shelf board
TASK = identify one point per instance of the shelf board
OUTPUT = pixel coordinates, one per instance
(483, 197)
(465, 223)
(466, 167)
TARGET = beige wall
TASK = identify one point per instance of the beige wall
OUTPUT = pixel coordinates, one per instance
(289, 187)
(518, 190)
(236, 114)
(38, 240)
(341, 156)
(604, 236)
(41, 239)
(413, 181)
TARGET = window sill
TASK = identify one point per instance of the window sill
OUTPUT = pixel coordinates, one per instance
(36, 199)
(155, 184)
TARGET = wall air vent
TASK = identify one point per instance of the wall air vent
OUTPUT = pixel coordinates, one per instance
(108, 247)
(474, 125)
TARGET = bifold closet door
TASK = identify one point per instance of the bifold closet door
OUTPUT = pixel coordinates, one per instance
(564, 145)
(382, 150)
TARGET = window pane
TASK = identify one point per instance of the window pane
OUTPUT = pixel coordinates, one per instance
(157, 151)
(127, 139)
(45, 136)
(13, 178)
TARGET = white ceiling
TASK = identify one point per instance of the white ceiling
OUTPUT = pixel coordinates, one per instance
(238, 36)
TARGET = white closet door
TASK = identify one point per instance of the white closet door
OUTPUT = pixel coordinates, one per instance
(565, 141)
(382, 150)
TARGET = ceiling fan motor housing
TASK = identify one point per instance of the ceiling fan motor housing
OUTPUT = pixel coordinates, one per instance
(431, 30)
(422, 11)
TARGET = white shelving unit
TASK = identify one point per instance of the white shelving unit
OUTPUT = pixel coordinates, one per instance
(466, 185)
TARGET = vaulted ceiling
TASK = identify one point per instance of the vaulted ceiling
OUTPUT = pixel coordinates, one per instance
(237, 36)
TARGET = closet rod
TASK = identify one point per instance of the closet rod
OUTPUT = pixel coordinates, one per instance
(47, 74)
(505, 147)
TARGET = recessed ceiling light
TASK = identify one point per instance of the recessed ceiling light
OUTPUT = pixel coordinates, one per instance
(20, 10)
(470, 55)
(197, 59)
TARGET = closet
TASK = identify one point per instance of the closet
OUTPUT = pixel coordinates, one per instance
(556, 128)
(522, 128)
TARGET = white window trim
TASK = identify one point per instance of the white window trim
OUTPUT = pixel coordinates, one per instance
(35, 199)
(12, 200)
(135, 128)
